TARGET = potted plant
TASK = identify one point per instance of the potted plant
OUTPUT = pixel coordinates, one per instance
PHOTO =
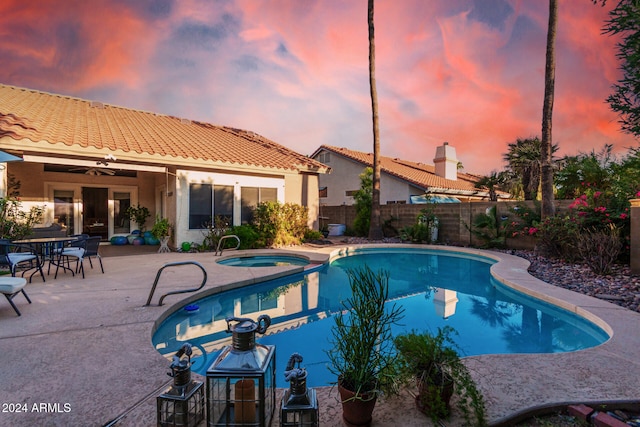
(362, 354)
(434, 363)
(139, 214)
(161, 228)
(160, 231)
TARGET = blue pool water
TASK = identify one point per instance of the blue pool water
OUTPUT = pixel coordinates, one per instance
(264, 261)
(436, 288)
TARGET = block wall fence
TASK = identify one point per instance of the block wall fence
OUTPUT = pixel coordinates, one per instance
(452, 217)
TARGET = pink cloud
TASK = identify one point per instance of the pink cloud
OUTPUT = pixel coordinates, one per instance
(297, 71)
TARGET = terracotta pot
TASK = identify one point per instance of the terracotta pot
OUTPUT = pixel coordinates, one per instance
(356, 412)
(429, 397)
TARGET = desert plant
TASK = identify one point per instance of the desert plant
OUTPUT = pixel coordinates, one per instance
(433, 361)
(489, 228)
(362, 354)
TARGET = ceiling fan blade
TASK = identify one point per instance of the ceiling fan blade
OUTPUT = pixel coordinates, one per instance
(105, 171)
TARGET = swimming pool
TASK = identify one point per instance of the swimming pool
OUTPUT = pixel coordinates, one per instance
(264, 261)
(436, 288)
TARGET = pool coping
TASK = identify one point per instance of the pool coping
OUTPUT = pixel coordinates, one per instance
(102, 324)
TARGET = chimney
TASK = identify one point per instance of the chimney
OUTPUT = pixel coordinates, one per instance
(446, 162)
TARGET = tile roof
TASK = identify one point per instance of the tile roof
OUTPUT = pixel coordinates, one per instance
(56, 119)
(419, 174)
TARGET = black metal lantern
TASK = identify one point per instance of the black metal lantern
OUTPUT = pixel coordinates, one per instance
(241, 382)
(299, 404)
(182, 404)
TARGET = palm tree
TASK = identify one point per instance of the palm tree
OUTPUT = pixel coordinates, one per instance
(375, 226)
(491, 184)
(524, 162)
(546, 152)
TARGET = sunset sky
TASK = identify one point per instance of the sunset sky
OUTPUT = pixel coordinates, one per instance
(296, 71)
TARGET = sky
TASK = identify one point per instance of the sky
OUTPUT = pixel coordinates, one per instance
(469, 72)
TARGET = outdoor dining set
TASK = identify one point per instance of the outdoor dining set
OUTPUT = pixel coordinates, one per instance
(26, 258)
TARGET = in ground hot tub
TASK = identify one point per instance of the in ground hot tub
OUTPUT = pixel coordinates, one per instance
(264, 261)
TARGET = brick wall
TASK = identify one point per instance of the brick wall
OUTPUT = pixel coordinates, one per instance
(452, 217)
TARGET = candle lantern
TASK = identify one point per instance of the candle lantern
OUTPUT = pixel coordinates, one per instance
(241, 382)
(182, 404)
(299, 404)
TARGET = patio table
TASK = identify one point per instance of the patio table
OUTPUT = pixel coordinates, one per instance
(50, 249)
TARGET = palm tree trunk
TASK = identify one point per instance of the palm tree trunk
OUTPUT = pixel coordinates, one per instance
(375, 227)
(548, 208)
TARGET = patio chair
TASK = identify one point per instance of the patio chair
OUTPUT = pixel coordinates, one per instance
(92, 250)
(12, 286)
(74, 250)
(80, 249)
(17, 256)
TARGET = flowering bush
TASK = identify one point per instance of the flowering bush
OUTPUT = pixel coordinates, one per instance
(597, 224)
(595, 229)
(558, 236)
(526, 221)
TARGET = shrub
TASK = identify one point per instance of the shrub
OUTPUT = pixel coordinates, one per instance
(16, 223)
(490, 229)
(526, 221)
(212, 232)
(421, 231)
(600, 249)
(417, 233)
(247, 234)
(387, 227)
(558, 236)
(363, 199)
(310, 235)
(280, 224)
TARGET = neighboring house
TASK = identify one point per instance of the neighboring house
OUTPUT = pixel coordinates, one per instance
(401, 181)
(87, 162)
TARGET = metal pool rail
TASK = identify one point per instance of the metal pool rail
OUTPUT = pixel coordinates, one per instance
(219, 249)
(173, 264)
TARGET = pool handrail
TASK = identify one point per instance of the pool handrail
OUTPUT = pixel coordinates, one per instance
(219, 249)
(183, 291)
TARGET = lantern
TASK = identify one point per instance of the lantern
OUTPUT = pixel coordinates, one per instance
(182, 404)
(299, 404)
(241, 382)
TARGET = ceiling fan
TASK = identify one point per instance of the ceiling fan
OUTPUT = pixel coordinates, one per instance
(94, 171)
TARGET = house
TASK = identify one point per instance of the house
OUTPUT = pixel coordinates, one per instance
(401, 181)
(87, 162)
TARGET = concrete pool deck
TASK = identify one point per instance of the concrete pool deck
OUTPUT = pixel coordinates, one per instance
(81, 353)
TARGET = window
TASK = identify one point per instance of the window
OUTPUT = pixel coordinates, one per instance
(121, 223)
(251, 196)
(223, 203)
(350, 193)
(207, 202)
(324, 157)
(200, 204)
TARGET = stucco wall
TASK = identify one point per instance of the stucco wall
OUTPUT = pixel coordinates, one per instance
(345, 176)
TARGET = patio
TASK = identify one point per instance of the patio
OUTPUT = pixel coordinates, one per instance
(81, 354)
